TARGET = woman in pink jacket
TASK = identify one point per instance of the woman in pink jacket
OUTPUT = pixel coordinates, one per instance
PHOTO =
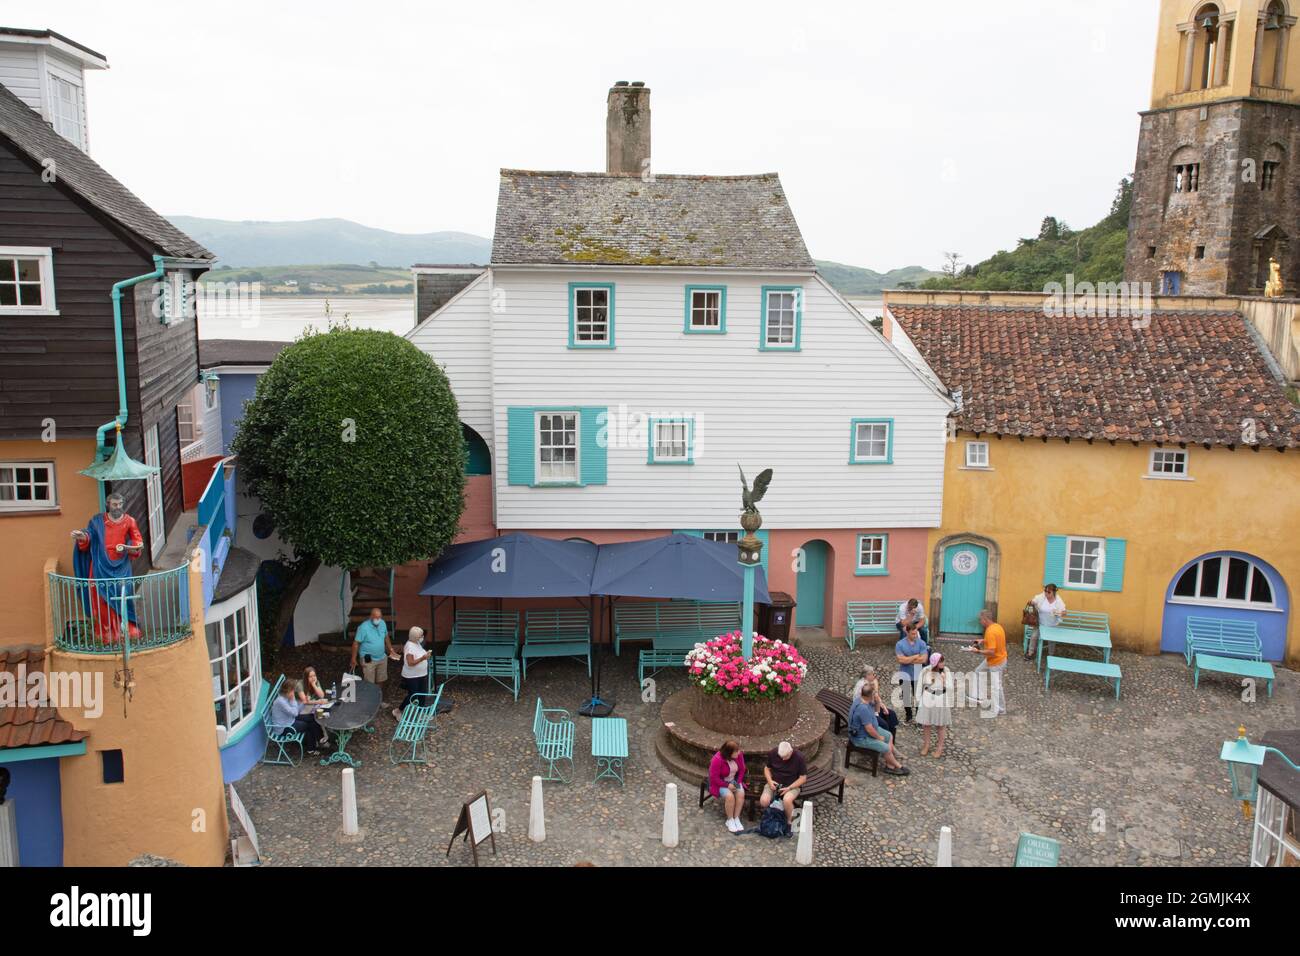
(727, 782)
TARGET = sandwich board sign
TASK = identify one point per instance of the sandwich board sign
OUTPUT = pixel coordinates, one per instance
(1037, 851)
(475, 821)
(244, 849)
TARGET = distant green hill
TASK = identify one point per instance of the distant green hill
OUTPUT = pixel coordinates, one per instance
(852, 280)
(1094, 255)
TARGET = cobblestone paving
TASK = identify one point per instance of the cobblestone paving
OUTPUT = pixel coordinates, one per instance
(1131, 783)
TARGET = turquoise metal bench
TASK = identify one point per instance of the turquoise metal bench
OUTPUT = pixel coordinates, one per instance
(557, 633)
(1207, 635)
(407, 745)
(1231, 665)
(553, 733)
(282, 739)
(683, 622)
(1080, 628)
(1091, 668)
(484, 644)
(609, 746)
(652, 662)
(871, 619)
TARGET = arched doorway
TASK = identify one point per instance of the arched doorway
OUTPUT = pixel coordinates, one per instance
(1228, 585)
(813, 585)
(478, 459)
(965, 571)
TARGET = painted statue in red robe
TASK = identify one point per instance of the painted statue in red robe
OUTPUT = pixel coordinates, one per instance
(102, 555)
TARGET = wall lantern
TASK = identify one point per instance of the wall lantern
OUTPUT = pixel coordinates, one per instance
(1244, 760)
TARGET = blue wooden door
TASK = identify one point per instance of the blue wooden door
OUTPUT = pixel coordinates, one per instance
(811, 586)
(965, 574)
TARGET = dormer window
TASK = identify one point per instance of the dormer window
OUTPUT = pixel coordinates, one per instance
(65, 110)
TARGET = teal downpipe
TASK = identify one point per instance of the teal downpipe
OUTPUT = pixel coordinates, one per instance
(120, 420)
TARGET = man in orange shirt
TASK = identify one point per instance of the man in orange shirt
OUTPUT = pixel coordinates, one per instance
(994, 651)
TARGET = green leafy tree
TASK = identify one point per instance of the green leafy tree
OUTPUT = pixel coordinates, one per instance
(353, 443)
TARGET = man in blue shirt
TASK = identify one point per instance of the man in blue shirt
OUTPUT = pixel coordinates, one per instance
(865, 731)
(373, 645)
(912, 653)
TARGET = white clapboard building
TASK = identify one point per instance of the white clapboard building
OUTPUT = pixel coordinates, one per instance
(638, 336)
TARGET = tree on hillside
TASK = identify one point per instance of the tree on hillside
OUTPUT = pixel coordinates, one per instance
(951, 264)
(353, 443)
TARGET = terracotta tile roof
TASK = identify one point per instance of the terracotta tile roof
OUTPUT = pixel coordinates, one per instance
(1189, 377)
(609, 219)
(32, 726)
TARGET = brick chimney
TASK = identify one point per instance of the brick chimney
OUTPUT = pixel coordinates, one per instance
(627, 128)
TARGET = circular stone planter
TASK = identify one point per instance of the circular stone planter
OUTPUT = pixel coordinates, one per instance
(686, 743)
(744, 717)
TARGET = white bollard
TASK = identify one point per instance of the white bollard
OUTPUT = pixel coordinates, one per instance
(803, 852)
(350, 827)
(670, 815)
(536, 814)
(945, 847)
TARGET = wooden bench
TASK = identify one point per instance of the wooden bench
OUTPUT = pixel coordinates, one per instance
(609, 746)
(850, 748)
(1218, 638)
(557, 633)
(553, 733)
(838, 704)
(280, 739)
(484, 644)
(871, 619)
(681, 623)
(1091, 668)
(820, 780)
(1258, 670)
(407, 745)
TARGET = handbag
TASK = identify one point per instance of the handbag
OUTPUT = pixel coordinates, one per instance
(1029, 617)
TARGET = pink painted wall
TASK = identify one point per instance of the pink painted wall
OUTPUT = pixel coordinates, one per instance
(908, 557)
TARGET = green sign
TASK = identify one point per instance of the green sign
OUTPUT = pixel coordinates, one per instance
(1037, 851)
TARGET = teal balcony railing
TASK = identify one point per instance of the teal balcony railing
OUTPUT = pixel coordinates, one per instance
(87, 616)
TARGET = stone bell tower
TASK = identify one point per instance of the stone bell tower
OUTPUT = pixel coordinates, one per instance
(1216, 191)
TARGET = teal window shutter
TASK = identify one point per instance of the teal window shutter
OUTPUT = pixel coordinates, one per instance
(1113, 577)
(521, 442)
(592, 442)
(1054, 567)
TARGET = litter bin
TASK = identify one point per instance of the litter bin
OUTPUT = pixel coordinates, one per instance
(774, 623)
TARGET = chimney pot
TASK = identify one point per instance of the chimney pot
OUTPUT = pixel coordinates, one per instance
(621, 83)
(638, 83)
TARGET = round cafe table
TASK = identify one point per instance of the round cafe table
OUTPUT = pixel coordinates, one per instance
(346, 717)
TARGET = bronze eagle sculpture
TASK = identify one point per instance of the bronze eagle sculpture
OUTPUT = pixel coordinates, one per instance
(752, 496)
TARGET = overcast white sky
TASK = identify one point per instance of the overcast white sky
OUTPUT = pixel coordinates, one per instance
(900, 129)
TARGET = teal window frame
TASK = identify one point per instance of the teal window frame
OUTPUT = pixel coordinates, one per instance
(574, 482)
(767, 291)
(690, 441)
(853, 442)
(868, 572)
(574, 288)
(722, 310)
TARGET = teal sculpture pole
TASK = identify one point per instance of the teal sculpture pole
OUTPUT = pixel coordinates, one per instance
(747, 617)
(751, 552)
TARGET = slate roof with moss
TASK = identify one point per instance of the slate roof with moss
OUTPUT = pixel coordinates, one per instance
(563, 218)
(1186, 378)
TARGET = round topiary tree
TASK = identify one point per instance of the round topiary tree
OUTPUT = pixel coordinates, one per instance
(353, 443)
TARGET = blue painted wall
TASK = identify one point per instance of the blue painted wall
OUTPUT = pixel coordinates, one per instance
(235, 390)
(1270, 624)
(243, 753)
(37, 797)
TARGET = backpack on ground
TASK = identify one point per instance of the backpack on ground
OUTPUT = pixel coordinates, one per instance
(773, 823)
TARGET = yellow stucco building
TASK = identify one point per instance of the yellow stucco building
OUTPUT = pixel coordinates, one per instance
(1146, 465)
